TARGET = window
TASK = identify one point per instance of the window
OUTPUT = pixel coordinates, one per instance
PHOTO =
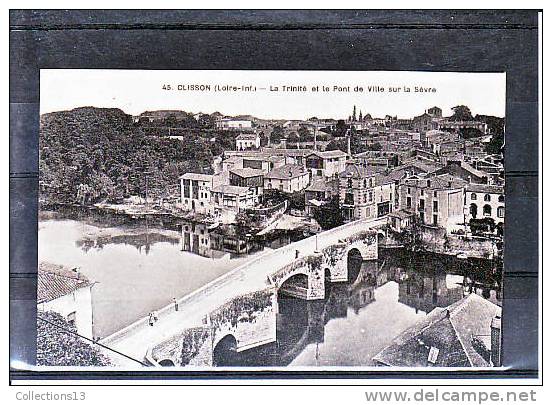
(422, 204)
(435, 206)
(487, 210)
(408, 190)
(435, 219)
(364, 183)
(408, 202)
(500, 198)
(487, 197)
(435, 194)
(473, 196)
(349, 183)
(500, 212)
(422, 191)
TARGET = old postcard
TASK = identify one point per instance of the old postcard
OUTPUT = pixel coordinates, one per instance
(293, 219)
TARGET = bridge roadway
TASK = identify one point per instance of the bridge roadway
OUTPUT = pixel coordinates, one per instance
(135, 339)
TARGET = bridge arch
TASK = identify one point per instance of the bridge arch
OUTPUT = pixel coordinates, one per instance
(354, 264)
(166, 363)
(295, 285)
(225, 351)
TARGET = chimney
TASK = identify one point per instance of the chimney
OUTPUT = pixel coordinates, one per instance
(496, 341)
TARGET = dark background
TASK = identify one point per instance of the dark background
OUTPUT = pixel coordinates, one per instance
(425, 40)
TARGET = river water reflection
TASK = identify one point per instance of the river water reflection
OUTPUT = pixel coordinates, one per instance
(138, 268)
(357, 320)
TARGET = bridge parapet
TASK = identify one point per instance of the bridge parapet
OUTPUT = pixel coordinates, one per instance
(249, 318)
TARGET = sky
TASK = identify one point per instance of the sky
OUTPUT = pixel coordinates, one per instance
(136, 91)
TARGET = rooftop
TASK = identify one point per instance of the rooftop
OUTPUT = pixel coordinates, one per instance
(321, 185)
(402, 214)
(485, 188)
(358, 171)
(197, 176)
(329, 154)
(246, 137)
(247, 172)
(288, 171)
(454, 335)
(55, 281)
(440, 182)
(228, 189)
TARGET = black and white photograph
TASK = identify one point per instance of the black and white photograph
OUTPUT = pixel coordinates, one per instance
(295, 220)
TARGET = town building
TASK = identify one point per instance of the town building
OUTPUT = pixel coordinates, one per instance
(319, 192)
(326, 164)
(67, 292)
(484, 201)
(228, 124)
(438, 201)
(288, 178)
(195, 192)
(466, 333)
(424, 123)
(464, 171)
(248, 141)
(251, 178)
(263, 162)
(435, 112)
(459, 125)
(365, 193)
(227, 198)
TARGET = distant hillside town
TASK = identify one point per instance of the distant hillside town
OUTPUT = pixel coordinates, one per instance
(434, 171)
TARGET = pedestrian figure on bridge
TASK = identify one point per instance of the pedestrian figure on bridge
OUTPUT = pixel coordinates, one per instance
(296, 253)
(175, 304)
(151, 318)
(155, 316)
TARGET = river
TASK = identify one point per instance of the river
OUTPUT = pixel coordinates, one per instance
(140, 266)
(137, 268)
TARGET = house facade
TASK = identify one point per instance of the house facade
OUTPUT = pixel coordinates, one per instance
(484, 201)
(195, 192)
(226, 197)
(250, 178)
(288, 178)
(248, 141)
(438, 201)
(228, 124)
(326, 164)
(365, 193)
(68, 293)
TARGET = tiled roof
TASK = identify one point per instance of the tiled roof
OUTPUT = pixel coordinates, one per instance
(450, 330)
(288, 171)
(247, 172)
(246, 137)
(329, 154)
(229, 189)
(440, 182)
(56, 281)
(402, 214)
(197, 176)
(320, 184)
(358, 171)
(485, 188)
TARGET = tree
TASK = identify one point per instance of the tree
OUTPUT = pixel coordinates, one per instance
(468, 133)
(329, 214)
(58, 345)
(461, 113)
(277, 134)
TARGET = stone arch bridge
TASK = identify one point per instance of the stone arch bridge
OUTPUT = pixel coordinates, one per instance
(249, 295)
